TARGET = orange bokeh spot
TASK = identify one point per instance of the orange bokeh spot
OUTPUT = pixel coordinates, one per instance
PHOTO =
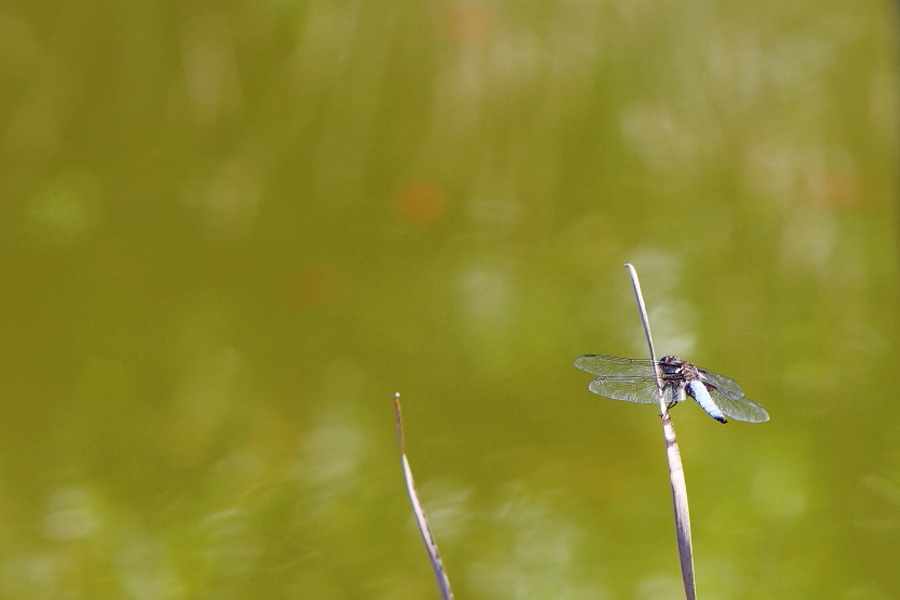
(833, 189)
(419, 202)
(313, 286)
(469, 25)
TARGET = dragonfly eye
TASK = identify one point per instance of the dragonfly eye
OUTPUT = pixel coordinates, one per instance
(670, 369)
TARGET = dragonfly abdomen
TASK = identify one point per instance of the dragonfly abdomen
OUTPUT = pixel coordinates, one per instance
(699, 393)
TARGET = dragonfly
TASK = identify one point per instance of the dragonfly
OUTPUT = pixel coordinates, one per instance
(634, 380)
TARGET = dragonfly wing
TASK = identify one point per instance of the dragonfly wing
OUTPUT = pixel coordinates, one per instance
(727, 387)
(630, 389)
(613, 365)
(741, 409)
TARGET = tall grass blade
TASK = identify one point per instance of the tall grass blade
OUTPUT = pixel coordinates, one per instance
(673, 455)
(430, 545)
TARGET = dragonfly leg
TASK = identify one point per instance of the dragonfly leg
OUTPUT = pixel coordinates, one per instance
(669, 407)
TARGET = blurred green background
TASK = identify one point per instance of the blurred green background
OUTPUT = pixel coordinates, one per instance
(230, 231)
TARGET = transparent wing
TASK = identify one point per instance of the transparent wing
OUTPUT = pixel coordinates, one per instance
(628, 379)
(729, 397)
(613, 365)
(727, 387)
(630, 389)
(739, 409)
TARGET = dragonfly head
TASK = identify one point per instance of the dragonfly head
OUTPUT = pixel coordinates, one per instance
(670, 364)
